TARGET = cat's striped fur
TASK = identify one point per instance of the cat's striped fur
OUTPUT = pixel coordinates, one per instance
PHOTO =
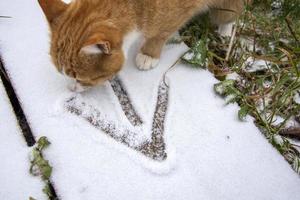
(87, 35)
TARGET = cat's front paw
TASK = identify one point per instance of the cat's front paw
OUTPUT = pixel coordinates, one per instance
(145, 62)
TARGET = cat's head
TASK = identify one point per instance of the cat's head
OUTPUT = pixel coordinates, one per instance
(84, 45)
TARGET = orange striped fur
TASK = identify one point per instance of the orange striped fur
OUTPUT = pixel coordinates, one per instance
(87, 35)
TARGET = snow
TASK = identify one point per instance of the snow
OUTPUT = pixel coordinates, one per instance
(253, 65)
(15, 180)
(132, 137)
(297, 98)
(210, 154)
(226, 29)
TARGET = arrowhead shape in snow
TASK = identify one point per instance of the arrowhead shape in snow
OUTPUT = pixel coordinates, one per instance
(155, 148)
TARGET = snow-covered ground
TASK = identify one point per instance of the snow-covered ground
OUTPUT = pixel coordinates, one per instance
(15, 180)
(210, 154)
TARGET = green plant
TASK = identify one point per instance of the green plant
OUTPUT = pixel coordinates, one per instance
(265, 55)
(41, 167)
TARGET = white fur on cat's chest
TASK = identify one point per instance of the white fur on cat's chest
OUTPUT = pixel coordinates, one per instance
(129, 39)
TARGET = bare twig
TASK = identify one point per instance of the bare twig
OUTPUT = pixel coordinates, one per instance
(231, 43)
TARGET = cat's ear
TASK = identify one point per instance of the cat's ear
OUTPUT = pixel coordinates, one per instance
(101, 47)
(52, 8)
(97, 44)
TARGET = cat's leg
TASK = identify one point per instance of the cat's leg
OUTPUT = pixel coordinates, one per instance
(149, 55)
(225, 13)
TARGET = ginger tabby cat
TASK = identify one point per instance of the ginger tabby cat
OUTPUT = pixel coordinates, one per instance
(87, 35)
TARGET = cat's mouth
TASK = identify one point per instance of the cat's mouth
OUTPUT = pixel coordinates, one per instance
(84, 85)
(80, 84)
(77, 87)
(94, 81)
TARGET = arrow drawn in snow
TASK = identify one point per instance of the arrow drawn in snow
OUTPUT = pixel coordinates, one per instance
(124, 100)
(154, 148)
